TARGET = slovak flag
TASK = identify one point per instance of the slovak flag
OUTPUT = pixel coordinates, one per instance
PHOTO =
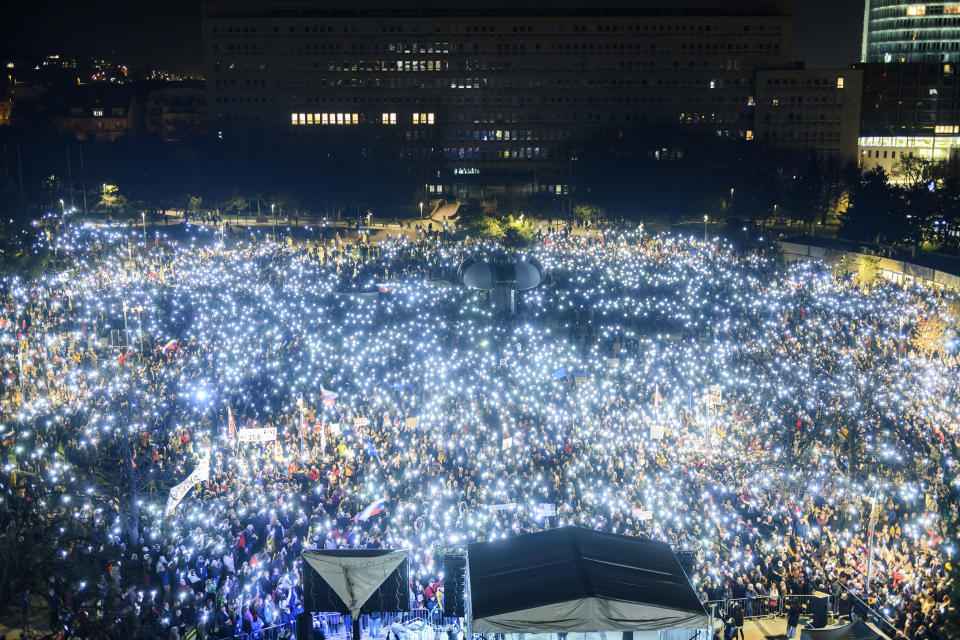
(328, 396)
(373, 509)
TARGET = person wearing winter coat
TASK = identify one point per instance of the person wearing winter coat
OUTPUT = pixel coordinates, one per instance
(793, 619)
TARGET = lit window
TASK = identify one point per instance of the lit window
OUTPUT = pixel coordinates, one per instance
(309, 118)
(97, 113)
(339, 118)
(355, 118)
(317, 117)
(951, 9)
(293, 118)
(324, 118)
(750, 101)
(916, 10)
(416, 118)
(776, 102)
(302, 117)
(839, 83)
(393, 118)
(429, 118)
(385, 118)
(749, 134)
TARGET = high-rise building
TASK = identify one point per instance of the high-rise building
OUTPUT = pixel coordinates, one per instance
(500, 93)
(897, 31)
(805, 109)
(911, 83)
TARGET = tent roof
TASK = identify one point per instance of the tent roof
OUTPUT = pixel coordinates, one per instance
(854, 631)
(354, 575)
(574, 565)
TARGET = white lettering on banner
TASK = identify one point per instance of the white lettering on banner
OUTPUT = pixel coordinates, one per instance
(361, 422)
(642, 514)
(412, 423)
(715, 396)
(507, 443)
(544, 509)
(335, 428)
(263, 434)
(507, 506)
(656, 431)
(200, 474)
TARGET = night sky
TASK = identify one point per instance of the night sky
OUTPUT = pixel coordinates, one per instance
(166, 34)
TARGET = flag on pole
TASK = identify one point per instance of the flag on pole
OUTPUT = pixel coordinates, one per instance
(560, 373)
(170, 346)
(328, 396)
(371, 510)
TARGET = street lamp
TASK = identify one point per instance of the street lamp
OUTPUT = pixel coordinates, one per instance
(143, 219)
(421, 212)
(705, 218)
(731, 201)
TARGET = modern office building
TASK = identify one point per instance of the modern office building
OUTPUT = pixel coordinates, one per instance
(896, 31)
(911, 83)
(489, 95)
(806, 109)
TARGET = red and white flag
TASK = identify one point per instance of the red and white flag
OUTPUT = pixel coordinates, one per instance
(328, 396)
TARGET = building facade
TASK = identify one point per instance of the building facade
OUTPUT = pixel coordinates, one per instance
(897, 31)
(910, 109)
(102, 114)
(504, 93)
(805, 109)
(177, 111)
(911, 83)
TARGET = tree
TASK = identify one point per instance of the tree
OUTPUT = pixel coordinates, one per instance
(518, 232)
(587, 212)
(235, 203)
(930, 337)
(917, 171)
(111, 199)
(876, 211)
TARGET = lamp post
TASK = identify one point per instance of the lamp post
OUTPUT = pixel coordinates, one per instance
(705, 218)
(143, 220)
(272, 215)
(873, 520)
(421, 212)
(731, 201)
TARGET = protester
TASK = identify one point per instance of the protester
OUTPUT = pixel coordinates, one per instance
(654, 386)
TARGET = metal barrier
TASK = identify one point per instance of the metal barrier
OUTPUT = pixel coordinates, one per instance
(761, 606)
(275, 632)
(419, 624)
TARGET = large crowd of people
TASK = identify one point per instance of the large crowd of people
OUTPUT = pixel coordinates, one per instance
(773, 422)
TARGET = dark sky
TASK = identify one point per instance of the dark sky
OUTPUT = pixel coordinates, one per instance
(166, 34)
